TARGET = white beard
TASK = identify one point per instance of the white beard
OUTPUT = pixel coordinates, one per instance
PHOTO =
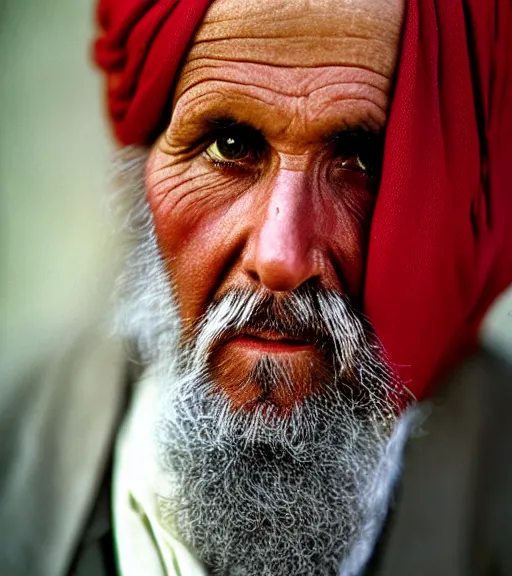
(251, 492)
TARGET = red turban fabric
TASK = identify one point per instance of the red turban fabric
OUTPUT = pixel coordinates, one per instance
(141, 49)
(440, 250)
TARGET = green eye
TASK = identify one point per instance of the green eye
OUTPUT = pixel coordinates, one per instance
(228, 148)
(236, 146)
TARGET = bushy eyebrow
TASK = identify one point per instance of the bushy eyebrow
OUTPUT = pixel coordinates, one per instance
(203, 124)
(339, 134)
(227, 122)
(223, 122)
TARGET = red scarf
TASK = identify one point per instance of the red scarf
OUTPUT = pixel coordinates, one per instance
(440, 247)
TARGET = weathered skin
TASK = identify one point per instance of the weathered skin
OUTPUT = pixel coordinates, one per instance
(297, 71)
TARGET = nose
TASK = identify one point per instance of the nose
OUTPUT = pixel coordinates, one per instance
(281, 251)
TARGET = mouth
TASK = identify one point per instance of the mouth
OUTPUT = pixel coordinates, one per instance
(259, 367)
(271, 343)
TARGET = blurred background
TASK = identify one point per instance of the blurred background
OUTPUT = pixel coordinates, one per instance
(56, 256)
(55, 240)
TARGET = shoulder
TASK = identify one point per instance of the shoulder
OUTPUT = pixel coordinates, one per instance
(60, 401)
(453, 512)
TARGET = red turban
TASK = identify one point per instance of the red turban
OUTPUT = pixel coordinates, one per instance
(141, 48)
(440, 250)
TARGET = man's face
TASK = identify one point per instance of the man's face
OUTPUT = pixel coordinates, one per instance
(267, 175)
(274, 402)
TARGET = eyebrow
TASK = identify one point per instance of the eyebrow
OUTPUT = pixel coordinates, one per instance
(225, 122)
(356, 131)
(206, 122)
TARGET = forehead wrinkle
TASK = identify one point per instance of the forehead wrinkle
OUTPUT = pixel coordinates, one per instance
(373, 118)
(219, 102)
(303, 33)
(378, 106)
(303, 81)
(353, 77)
(302, 52)
(351, 91)
(279, 39)
(260, 18)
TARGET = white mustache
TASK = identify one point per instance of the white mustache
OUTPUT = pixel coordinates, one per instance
(308, 314)
(311, 313)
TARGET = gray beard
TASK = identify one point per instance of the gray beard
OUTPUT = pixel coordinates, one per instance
(254, 493)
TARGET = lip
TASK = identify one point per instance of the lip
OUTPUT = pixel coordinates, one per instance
(270, 343)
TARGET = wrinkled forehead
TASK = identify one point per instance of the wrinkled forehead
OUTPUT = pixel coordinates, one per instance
(301, 33)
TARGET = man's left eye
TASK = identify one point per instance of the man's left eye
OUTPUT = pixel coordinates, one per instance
(359, 151)
(356, 163)
(235, 147)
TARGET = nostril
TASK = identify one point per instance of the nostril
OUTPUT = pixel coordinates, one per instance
(253, 275)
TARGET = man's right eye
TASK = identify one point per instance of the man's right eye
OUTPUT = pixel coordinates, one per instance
(236, 147)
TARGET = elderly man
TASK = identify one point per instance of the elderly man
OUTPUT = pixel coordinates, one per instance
(317, 213)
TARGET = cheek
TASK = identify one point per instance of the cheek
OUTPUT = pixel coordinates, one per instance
(194, 211)
(346, 212)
